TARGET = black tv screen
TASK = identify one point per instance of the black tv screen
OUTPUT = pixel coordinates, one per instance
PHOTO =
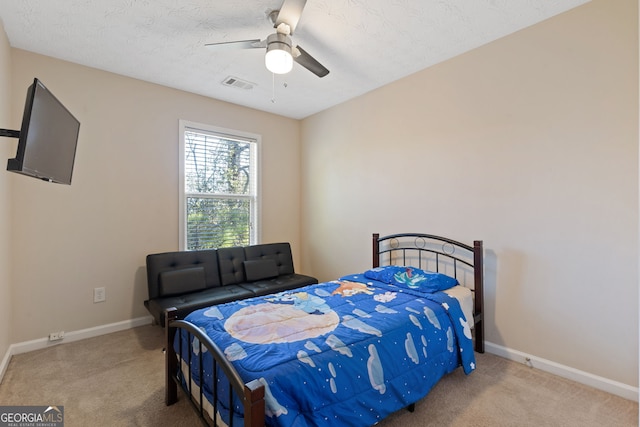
(48, 138)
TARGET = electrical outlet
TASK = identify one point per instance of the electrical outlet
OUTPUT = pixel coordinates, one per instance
(99, 295)
(56, 336)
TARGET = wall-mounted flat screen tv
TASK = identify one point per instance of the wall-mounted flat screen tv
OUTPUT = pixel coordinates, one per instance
(47, 139)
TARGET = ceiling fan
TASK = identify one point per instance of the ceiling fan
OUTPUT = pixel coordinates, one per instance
(280, 52)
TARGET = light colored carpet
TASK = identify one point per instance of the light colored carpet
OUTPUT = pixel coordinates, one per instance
(118, 380)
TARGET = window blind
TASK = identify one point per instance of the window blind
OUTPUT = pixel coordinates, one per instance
(220, 191)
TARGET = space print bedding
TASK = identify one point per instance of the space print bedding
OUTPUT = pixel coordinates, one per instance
(345, 352)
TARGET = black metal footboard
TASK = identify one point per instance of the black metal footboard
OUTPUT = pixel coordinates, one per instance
(251, 394)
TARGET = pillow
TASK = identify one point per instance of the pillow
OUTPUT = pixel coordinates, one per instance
(175, 282)
(258, 269)
(412, 278)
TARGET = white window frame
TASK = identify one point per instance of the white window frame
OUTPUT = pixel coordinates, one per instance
(256, 140)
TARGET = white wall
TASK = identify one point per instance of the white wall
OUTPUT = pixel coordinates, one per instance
(122, 204)
(529, 143)
(6, 146)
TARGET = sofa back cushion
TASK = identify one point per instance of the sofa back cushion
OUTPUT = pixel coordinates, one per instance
(162, 263)
(260, 269)
(230, 264)
(280, 253)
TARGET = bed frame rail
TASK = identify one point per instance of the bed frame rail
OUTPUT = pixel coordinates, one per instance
(439, 254)
(250, 394)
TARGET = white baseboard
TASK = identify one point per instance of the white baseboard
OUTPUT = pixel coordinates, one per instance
(40, 343)
(5, 363)
(601, 383)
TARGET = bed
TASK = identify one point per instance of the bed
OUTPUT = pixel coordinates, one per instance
(345, 352)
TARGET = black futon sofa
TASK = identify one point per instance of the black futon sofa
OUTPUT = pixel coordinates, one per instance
(190, 280)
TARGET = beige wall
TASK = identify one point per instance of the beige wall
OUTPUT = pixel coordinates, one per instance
(6, 146)
(122, 204)
(529, 143)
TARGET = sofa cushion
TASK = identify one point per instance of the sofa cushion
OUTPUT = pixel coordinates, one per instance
(279, 252)
(258, 269)
(186, 303)
(230, 265)
(181, 281)
(279, 284)
(170, 261)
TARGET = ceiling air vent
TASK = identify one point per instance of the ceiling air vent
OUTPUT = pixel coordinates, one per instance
(238, 83)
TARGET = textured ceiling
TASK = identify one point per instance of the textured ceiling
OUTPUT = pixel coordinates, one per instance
(364, 43)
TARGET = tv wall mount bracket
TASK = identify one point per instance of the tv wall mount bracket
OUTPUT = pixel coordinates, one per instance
(10, 133)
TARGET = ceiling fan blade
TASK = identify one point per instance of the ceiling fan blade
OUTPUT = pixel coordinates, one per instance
(290, 13)
(241, 44)
(309, 62)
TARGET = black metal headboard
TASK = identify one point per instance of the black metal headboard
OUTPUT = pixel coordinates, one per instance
(439, 254)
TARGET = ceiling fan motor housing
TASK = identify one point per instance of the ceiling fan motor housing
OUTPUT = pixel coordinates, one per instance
(279, 41)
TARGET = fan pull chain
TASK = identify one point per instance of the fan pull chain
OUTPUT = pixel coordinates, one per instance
(273, 88)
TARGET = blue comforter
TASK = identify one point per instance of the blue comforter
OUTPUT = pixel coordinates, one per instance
(346, 352)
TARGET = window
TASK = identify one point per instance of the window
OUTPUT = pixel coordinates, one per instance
(218, 188)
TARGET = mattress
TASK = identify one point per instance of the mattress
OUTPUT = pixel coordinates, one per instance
(465, 299)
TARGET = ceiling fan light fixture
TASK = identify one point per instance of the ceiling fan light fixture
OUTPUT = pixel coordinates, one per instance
(278, 58)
